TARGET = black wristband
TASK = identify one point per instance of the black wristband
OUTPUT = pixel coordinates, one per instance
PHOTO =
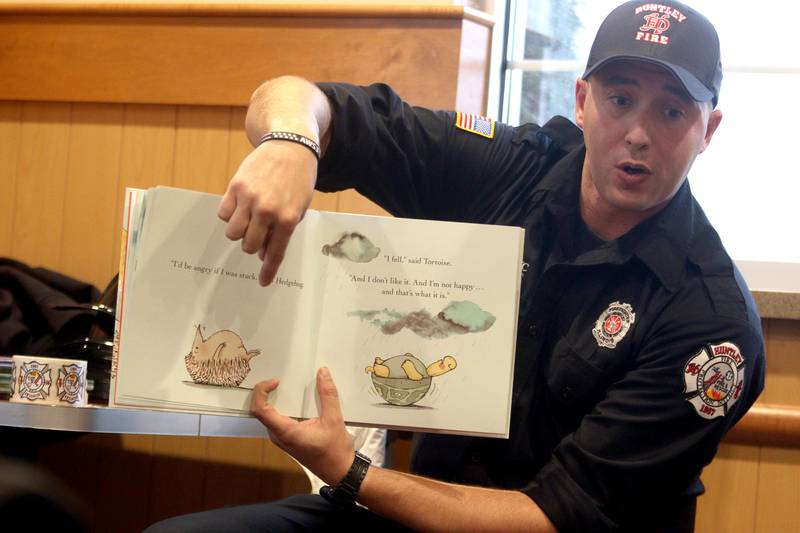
(292, 137)
(344, 494)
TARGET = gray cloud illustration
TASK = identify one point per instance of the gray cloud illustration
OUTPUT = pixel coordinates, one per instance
(455, 319)
(354, 247)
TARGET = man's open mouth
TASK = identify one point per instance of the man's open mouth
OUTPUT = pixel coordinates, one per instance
(635, 169)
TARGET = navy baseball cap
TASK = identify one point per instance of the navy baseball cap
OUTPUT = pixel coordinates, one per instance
(667, 33)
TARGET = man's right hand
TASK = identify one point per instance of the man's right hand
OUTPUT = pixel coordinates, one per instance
(270, 193)
(266, 199)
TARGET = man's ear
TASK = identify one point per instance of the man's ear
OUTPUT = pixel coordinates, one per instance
(581, 86)
(713, 123)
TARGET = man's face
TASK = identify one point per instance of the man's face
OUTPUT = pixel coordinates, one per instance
(642, 133)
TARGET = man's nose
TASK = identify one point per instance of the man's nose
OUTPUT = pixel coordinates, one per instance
(638, 134)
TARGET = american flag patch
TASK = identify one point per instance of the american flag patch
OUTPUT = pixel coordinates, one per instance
(475, 124)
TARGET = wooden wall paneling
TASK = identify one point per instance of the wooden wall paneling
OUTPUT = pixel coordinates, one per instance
(282, 476)
(201, 148)
(778, 504)
(323, 201)
(124, 476)
(778, 507)
(109, 473)
(210, 60)
(352, 202)
(238, 144)
(178, 477)
(41, 184)
(233, 475)
(41, 180)
(731, 481)
(89, 228)
(148, 155)
(783, 362)
(10, 115)
(75, 460)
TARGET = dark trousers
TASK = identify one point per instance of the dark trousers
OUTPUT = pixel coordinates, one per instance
(304, 512)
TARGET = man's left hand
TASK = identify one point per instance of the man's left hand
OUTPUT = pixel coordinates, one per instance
(321, 444)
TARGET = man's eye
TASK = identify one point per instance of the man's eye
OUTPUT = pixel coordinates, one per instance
(673, 113)
(619, 101)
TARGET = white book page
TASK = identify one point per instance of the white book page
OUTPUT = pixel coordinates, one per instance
(430, 289)
(188, 274)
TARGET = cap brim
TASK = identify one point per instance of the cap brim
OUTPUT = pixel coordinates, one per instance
(693, 86)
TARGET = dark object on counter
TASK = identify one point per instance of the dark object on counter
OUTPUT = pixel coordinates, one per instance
(43, 312)
(31, 322)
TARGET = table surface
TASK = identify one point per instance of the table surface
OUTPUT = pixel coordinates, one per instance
(101, 419)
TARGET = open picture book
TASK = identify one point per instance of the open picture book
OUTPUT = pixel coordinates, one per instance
(415, 319)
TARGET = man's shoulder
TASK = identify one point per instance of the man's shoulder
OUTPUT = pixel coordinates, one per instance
(558, 134)
(725, 288)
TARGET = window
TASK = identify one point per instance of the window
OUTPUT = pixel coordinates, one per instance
(748, 181)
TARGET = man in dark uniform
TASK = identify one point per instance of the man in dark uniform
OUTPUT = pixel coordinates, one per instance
(639, 344)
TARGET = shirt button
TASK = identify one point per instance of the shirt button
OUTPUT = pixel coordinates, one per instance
(566, 393)
(533, 329)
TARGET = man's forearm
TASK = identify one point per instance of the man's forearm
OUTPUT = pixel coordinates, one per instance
(429, 505)
(290, 104)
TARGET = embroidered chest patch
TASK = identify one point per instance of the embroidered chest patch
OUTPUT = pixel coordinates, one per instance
(476, 124)
(613, 324)
(713, 379)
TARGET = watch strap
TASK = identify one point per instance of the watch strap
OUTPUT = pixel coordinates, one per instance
(345, 492)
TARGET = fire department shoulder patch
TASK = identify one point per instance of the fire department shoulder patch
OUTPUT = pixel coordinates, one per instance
(613, 324)
(713, 379)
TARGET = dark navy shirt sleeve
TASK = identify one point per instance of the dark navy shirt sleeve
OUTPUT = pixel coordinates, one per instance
(644, 442)
(414, 162)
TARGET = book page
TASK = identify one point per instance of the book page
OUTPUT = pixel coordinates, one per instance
(419, 320)
(197, 331)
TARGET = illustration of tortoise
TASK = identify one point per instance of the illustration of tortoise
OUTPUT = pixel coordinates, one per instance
(404, 379)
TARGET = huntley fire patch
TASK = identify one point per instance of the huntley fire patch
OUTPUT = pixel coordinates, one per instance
(713, 379)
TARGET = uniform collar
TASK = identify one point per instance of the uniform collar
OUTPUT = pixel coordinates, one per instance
(662, 243)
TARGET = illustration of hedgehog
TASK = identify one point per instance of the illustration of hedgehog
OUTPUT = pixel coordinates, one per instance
(221, 359)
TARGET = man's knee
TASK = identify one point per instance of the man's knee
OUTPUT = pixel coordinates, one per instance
(304, 509)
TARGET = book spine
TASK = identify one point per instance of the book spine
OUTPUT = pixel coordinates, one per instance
(131, 196)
